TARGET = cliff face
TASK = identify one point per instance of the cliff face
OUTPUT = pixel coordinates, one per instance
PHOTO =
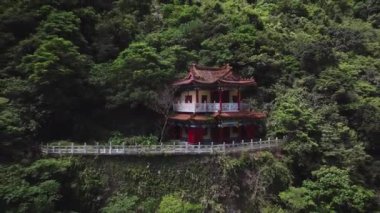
(230, 183)
(90, 184)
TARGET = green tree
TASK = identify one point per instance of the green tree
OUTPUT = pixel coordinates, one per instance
(121, 203)
(61, 24)
(294, 116)
(173, 203)
(315, 57)
(113, 33)
(57, 75)
(331, 190)
(33, 188)
(129, 74)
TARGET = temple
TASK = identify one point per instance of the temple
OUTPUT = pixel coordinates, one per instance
(208, 107)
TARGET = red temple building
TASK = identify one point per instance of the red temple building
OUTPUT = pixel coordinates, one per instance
(208, 107)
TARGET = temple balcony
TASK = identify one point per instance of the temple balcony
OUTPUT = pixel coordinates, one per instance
(210, 107)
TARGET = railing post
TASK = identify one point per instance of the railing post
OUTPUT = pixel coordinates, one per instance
(110, 148)
(124, 148)
(161, 147)
(136, 149)
(59, 148)
(72, 148)
(212, 146)
(199, 147)
(224, 147)
(233, 143)
(276, 141)
(187, 147)
(174, 146)
(260, 144)
(97, 148)
(252, 143)
(242, 141)
(85, 147)
(268, 142)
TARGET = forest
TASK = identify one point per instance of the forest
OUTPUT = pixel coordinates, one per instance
(89, 70)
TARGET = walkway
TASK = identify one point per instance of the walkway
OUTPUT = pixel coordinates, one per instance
(162, 149)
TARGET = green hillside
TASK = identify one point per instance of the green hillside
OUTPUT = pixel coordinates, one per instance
(90, 70)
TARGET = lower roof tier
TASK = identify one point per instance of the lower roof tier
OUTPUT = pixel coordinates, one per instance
(217, 116)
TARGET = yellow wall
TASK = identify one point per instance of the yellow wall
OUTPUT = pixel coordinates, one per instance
(233, 92)
(183, 95)
(204, 92)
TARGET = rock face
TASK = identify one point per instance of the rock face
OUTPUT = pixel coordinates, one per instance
(235, 182)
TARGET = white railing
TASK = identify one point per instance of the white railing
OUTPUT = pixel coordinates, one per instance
(209, 107)
(161, 149)
(206, 107)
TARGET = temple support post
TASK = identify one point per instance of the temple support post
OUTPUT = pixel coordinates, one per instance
(220, 99)
(238, 99)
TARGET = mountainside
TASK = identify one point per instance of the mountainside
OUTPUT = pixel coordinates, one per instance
(89, 71)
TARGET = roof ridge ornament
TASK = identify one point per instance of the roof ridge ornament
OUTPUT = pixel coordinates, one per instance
(222, 75)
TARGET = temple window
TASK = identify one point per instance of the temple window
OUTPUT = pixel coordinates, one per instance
(204, 99)
(188, 99)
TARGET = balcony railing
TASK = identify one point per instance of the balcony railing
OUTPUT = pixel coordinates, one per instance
(209, 107)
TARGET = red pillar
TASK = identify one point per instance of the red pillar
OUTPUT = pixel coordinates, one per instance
(180, 133)
(250, 130)
(200, 133)
(196, 95)
(238, 99)
(240, 133)
(220, 99)
(190, 135)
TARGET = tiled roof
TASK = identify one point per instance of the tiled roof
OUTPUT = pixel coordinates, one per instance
(253, 115)
(220, 116)
(190, 117)
(213, 75)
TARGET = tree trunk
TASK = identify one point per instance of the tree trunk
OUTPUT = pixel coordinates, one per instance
(163, 129)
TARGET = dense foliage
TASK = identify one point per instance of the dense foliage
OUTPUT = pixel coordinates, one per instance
(89, 71)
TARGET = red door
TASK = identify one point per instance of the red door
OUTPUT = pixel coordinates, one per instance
(226, 133)
(215, 134)
(250, 131)
(195, 135)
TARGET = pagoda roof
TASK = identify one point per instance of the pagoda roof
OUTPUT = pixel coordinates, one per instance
(233, 115)
(191, 117)
(224, 75)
